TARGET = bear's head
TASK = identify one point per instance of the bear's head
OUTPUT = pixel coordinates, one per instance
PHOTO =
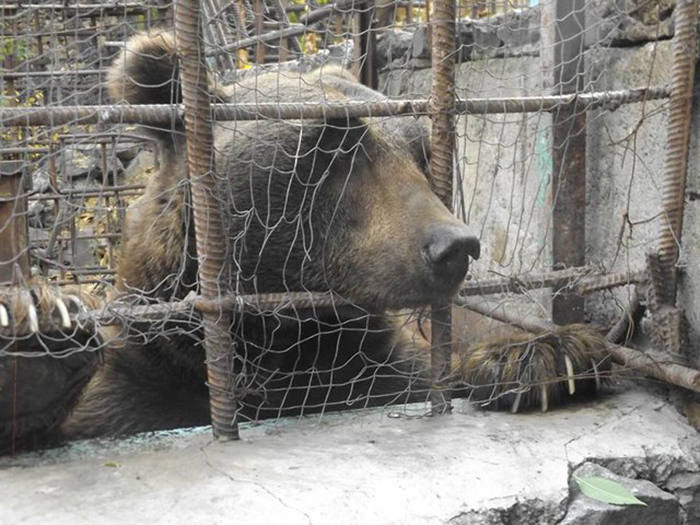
(340, 205)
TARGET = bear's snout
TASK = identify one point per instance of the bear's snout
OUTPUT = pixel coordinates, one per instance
(447, 249)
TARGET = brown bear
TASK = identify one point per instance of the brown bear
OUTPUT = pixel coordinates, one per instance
(339, 205)
(333, 205)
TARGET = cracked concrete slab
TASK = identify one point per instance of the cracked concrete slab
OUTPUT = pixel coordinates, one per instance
(470, 467)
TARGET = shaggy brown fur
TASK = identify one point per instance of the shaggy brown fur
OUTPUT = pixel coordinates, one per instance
(50, 361)
(525, 371)
(339, 205)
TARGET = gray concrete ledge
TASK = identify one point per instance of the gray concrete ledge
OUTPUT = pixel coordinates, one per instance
(361, 467)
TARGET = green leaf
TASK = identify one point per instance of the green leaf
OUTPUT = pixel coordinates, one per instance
(607, 491)
(113, 464)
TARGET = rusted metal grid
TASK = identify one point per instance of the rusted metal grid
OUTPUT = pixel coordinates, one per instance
(106, 115)
(73, 199)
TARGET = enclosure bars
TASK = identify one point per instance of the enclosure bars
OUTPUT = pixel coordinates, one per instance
(442, 107)
(208, 224)
(164, 113)
(669, 321)
(513, 105)
(581, 279)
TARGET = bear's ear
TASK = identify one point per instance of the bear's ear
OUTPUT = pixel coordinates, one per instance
(342, 137)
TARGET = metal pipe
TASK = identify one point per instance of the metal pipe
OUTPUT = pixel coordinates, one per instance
(159, 113)
(121, 7)
(304, 300)
(29, 74)
(208, 222)
(442, 112)
(677, 148)
(582, 279)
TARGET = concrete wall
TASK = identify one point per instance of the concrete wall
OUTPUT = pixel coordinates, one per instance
(505, 160)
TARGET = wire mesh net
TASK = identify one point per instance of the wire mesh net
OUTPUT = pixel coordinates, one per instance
(333, 244)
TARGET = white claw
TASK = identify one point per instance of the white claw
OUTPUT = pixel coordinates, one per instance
(33, 318)
(63, 311)
(77, 302)
(4, 318)
(545, 398)
(570, 375)
(516, 403)
(597, 376)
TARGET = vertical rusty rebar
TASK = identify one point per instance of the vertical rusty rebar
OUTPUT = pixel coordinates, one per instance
(442, 105)
(259, 27)
(365, 41)
(14, 253)
(678, 143)
(208, 223)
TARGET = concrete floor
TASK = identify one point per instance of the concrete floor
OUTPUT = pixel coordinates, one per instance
(365, 467)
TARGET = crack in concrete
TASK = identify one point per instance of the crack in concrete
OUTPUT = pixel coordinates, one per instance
(259, 485)
(571, 467)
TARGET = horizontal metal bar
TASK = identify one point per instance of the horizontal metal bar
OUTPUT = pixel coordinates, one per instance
(18, 74)
(86, 194)
(581, 280)
(80, 281)
(83, 7)
(274, 301)
(305, 24)
(120, 311)
(100, 192)
(160, 113)
(97, 236)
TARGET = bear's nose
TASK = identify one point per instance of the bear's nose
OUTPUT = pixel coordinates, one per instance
(448, 248)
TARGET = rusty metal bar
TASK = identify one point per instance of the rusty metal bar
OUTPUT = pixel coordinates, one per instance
(258, 30)
(442, 111)
(120, 7)
(208, 223)
(583, 280)
(286, 44)
(605, 282)
(365, 59)
(78, 280)
(678, 145)
(159, 113)
(216, 34)
(130, 189)
(93, 237)
(305, 300)
(627, 357)
(14, 256)
(29, 74)
(126, 309)
(293, 30)
(563, 27)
